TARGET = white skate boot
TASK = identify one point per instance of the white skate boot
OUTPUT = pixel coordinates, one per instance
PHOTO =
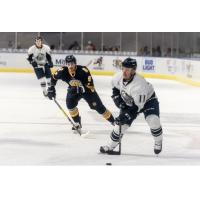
(109, 149)
(157, 147)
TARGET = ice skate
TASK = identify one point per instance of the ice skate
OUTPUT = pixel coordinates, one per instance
(109, 149)
(45, 93)
(77, 127)
(158, 147)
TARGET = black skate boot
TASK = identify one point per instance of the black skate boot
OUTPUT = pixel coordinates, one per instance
(78, 126)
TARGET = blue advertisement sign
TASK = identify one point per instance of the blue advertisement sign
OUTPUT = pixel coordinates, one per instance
(149, 65)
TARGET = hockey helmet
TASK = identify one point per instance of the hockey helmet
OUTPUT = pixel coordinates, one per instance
(130, 63)
(70, 59)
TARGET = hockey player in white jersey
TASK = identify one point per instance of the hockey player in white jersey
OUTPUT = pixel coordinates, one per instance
(39, 56)
(134, 95)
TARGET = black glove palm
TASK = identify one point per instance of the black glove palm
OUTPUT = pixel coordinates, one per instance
(51, 92)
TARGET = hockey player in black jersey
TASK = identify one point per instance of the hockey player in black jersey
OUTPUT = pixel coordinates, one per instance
(81, 85)
(39, 56)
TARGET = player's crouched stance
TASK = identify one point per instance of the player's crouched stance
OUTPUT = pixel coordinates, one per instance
(134, 95)
(81, 86)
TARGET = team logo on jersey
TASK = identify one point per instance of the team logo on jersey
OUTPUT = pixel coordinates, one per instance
(40, 57)
(127, 99)
(75, 83)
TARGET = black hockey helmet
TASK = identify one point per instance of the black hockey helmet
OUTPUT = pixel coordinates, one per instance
(70, 59)
(130, 63)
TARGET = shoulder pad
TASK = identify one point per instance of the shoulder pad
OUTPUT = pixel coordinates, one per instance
(85, 69)
(30, 50)
(58, 70)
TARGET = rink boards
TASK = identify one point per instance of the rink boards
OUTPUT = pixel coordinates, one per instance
(182, 70)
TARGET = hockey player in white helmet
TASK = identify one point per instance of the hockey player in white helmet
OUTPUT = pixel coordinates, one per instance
(39, 56)
(134, 95)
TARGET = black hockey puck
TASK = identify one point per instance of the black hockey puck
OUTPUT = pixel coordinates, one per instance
(108, 163)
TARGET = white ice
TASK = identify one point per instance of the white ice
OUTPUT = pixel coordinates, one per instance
(33, 131)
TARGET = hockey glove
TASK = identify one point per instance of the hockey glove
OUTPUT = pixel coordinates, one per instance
(51, 92)
(124, 118)
(122, 105)
(34, 64)
(50, 65)
(118, 100)
(31, 61)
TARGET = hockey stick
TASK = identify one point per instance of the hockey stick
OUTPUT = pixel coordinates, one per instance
(120, 133)
(66, 115)
(120, 138)
(120, 144)
(84, 135)
(89, 63)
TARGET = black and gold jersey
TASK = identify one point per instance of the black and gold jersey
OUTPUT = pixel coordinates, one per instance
(80, 77)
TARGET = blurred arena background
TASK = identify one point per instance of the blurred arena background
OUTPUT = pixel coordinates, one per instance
(165, 55)
(158, 44)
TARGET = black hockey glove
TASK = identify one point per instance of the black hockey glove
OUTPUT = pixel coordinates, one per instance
(122, 105)
(51, 92)
(74, 91)
(118, 101)
(126, 116)
(34, 64)
(31, 61)
(50, 65)
(123, 118)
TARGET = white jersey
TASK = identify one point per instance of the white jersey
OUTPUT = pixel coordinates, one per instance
(137, 92)
(39, 54)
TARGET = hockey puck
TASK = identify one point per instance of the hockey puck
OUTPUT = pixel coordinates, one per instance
(108, 163)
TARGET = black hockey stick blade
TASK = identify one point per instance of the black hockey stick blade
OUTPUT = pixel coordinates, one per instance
(113, 152)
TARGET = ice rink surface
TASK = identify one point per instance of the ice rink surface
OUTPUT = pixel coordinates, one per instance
(35, 132)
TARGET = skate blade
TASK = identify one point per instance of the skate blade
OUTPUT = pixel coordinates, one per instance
(110, 153)
(113, 153)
